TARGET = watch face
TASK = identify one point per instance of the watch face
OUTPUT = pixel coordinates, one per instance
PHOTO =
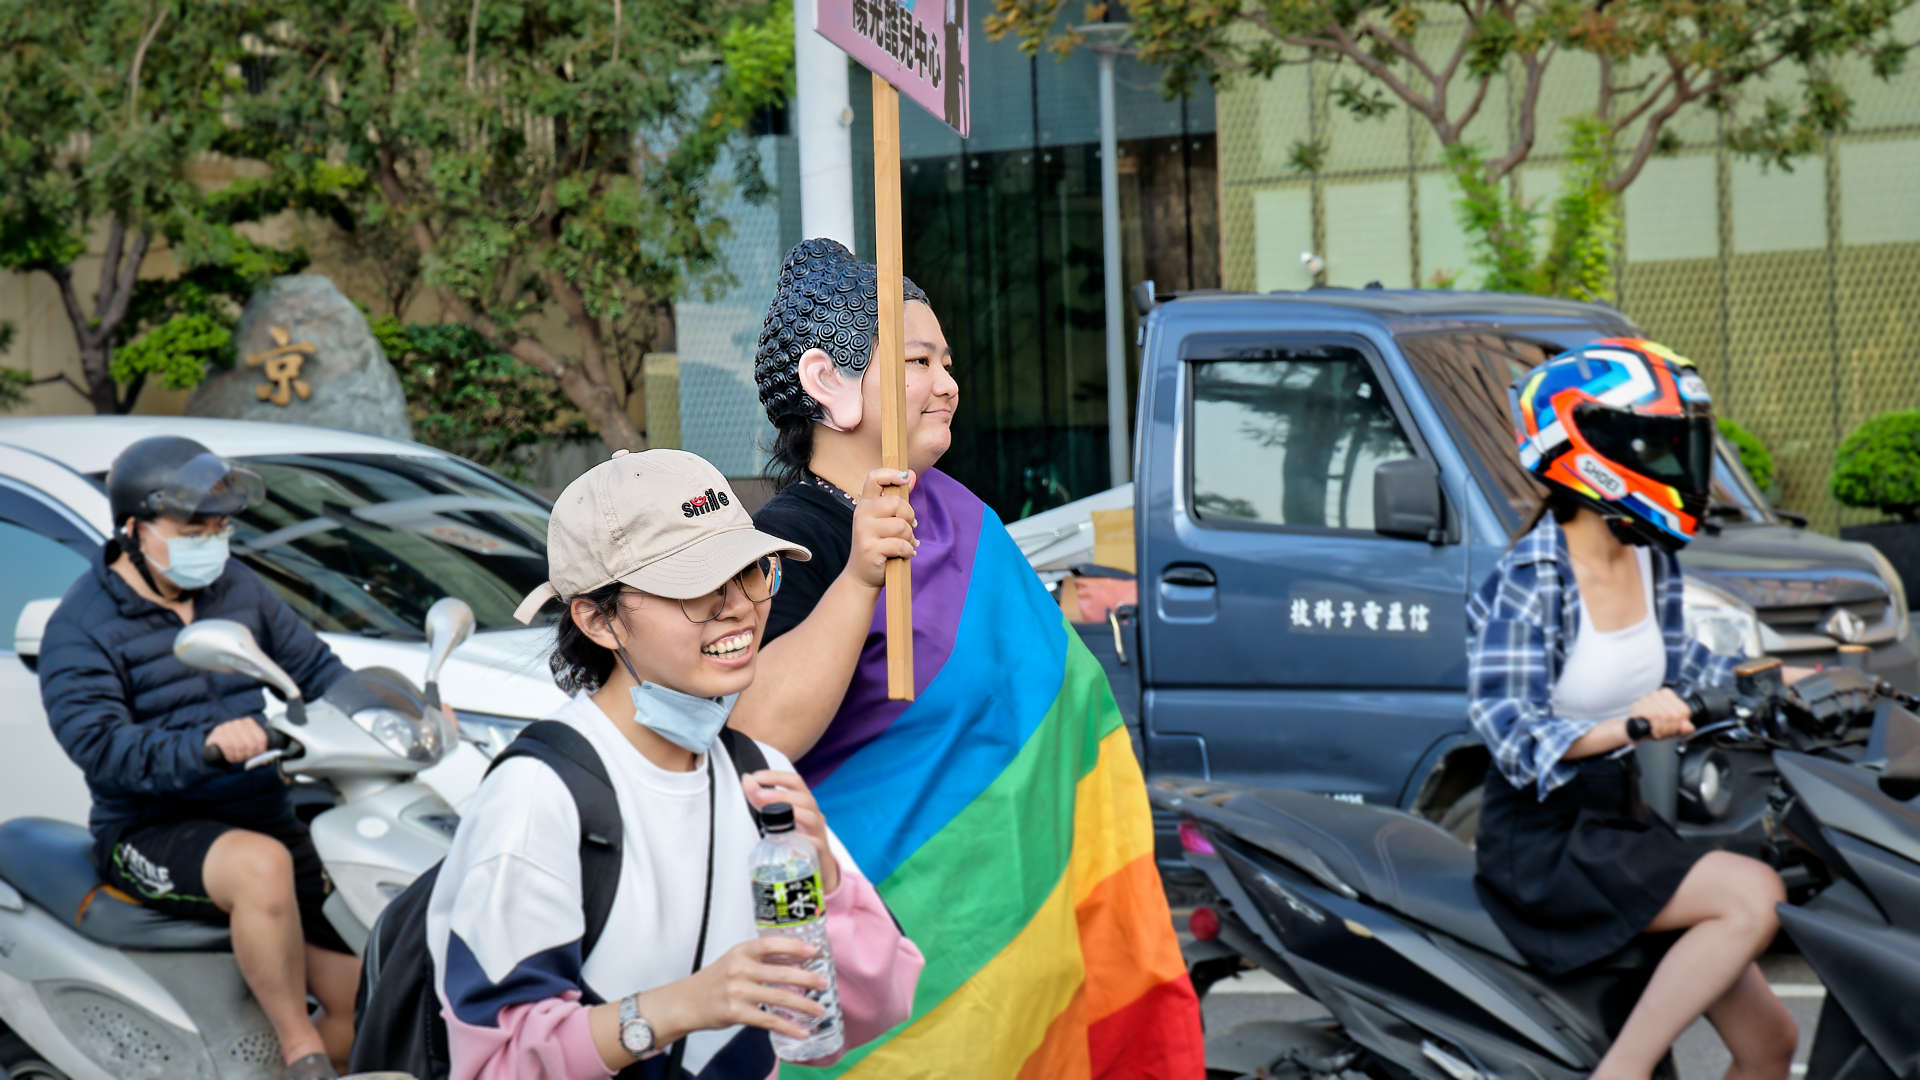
(637, 1036)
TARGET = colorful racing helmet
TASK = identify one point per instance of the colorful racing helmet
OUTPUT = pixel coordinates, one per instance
(1624, 426)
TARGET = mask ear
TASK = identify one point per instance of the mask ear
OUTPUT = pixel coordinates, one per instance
(837, 391)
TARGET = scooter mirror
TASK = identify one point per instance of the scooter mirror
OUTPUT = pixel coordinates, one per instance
(225, 645)
(449, 623)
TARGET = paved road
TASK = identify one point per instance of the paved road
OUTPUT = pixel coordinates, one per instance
(1259, 996)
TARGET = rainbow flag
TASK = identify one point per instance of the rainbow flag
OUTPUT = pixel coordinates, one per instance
(1003, 817)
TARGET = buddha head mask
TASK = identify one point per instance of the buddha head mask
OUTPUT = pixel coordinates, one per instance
(826, 299)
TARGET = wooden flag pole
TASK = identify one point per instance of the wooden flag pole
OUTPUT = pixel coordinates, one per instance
(889, 359)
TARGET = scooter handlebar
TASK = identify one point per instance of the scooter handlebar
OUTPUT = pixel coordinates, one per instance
(1706, 707)
(276, 740)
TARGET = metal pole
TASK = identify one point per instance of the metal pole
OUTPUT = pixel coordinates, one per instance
(822, 121)
(1119, 446)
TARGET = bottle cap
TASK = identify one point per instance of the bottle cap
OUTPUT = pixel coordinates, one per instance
(777, 817)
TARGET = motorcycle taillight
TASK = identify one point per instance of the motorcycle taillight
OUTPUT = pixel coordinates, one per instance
(1204, 924)
(1192, 839)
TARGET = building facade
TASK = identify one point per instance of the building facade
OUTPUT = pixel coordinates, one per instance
(1797, 292)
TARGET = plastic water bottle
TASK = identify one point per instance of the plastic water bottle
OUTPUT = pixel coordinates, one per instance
(788, 900)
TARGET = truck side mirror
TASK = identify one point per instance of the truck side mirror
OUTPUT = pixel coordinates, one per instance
(1406, 500)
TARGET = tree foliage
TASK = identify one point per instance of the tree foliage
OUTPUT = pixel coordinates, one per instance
(1441, 59)
(467, 397)
(106, 107)
(1583, 222)
(1754, 455)
(555, 163)
(1655, 57)
(1878, 466)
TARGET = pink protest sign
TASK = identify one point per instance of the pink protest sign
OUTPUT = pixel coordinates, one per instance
(920, 46)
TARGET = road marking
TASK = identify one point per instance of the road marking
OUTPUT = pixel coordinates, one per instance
(1265, 982)
(1798, 990)
(1252, 982)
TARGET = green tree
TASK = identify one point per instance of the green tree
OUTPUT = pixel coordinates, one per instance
(106, 106)
(553, 163)
(1878, 465)
(465, 396)
(1584, 221)
(1654, 58)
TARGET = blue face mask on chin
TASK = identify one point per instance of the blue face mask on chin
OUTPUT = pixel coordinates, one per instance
(688, 721)
(195, 562)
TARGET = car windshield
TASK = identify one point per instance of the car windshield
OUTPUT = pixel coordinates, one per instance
(1468, 371)
(365, 543)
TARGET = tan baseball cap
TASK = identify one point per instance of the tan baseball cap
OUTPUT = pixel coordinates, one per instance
(661, 521)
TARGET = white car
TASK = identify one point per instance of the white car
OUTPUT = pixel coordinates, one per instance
(359, 534)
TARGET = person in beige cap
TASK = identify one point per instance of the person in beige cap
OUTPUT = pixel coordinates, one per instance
(665, 584)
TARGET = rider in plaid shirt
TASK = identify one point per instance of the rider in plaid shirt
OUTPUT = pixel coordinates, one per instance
(1520, 625)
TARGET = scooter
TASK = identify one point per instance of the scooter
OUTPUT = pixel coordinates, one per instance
(1373, 912)
(1858, 829)
(93, 986)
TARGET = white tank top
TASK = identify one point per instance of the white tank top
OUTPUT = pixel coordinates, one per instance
(1607, 671)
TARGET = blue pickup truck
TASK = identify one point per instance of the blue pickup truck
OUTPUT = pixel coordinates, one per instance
(1320, 480)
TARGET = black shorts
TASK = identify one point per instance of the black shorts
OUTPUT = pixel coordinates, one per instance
(160, 865)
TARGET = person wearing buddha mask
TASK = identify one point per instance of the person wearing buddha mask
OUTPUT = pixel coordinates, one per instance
(1007, 787)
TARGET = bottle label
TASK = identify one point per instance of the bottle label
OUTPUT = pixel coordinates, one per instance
(788, 903)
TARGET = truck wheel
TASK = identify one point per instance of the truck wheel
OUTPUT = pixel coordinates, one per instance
(1462, 819)
(18, 1061)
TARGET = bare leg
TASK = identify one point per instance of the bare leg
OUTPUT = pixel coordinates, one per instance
(250, 877)
(334, 978)
(1726, 906)
(1757, 1028)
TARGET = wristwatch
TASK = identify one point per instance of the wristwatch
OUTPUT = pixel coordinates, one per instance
(636, 1035)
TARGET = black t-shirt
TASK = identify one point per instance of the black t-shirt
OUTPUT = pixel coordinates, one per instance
(822, 522)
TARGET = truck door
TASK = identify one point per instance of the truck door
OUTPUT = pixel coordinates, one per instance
(1286, 641)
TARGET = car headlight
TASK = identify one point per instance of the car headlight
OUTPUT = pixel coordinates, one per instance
(1721, 623)
(414, 737)
(1897, 589)
(488, 732)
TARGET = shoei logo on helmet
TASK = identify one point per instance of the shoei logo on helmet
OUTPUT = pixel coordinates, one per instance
(1692, 386)
(1605, 480)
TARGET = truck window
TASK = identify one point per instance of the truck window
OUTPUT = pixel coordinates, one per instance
(1467, 373)
(1289, 437)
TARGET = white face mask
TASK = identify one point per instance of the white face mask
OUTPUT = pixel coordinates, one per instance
(195, 562)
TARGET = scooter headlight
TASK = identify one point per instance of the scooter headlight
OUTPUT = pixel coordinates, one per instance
(1706, 784)
(424, 738)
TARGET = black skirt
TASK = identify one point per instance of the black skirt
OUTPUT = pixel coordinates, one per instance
(1574, 878)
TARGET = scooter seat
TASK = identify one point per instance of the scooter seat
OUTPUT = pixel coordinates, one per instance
(1393, 858)
(51, 863)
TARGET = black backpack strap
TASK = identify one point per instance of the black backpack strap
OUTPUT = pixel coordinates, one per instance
(747, 758)
(574, 760)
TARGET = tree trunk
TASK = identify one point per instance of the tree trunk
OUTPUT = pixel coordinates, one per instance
(605, 413)
(96, 362)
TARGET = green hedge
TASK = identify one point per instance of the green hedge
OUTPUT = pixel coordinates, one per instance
(1754, 455)
(1878, 466)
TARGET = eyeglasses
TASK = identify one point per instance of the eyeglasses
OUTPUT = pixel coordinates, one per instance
(758, 582)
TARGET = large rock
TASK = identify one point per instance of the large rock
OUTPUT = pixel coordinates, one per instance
(307, 356)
